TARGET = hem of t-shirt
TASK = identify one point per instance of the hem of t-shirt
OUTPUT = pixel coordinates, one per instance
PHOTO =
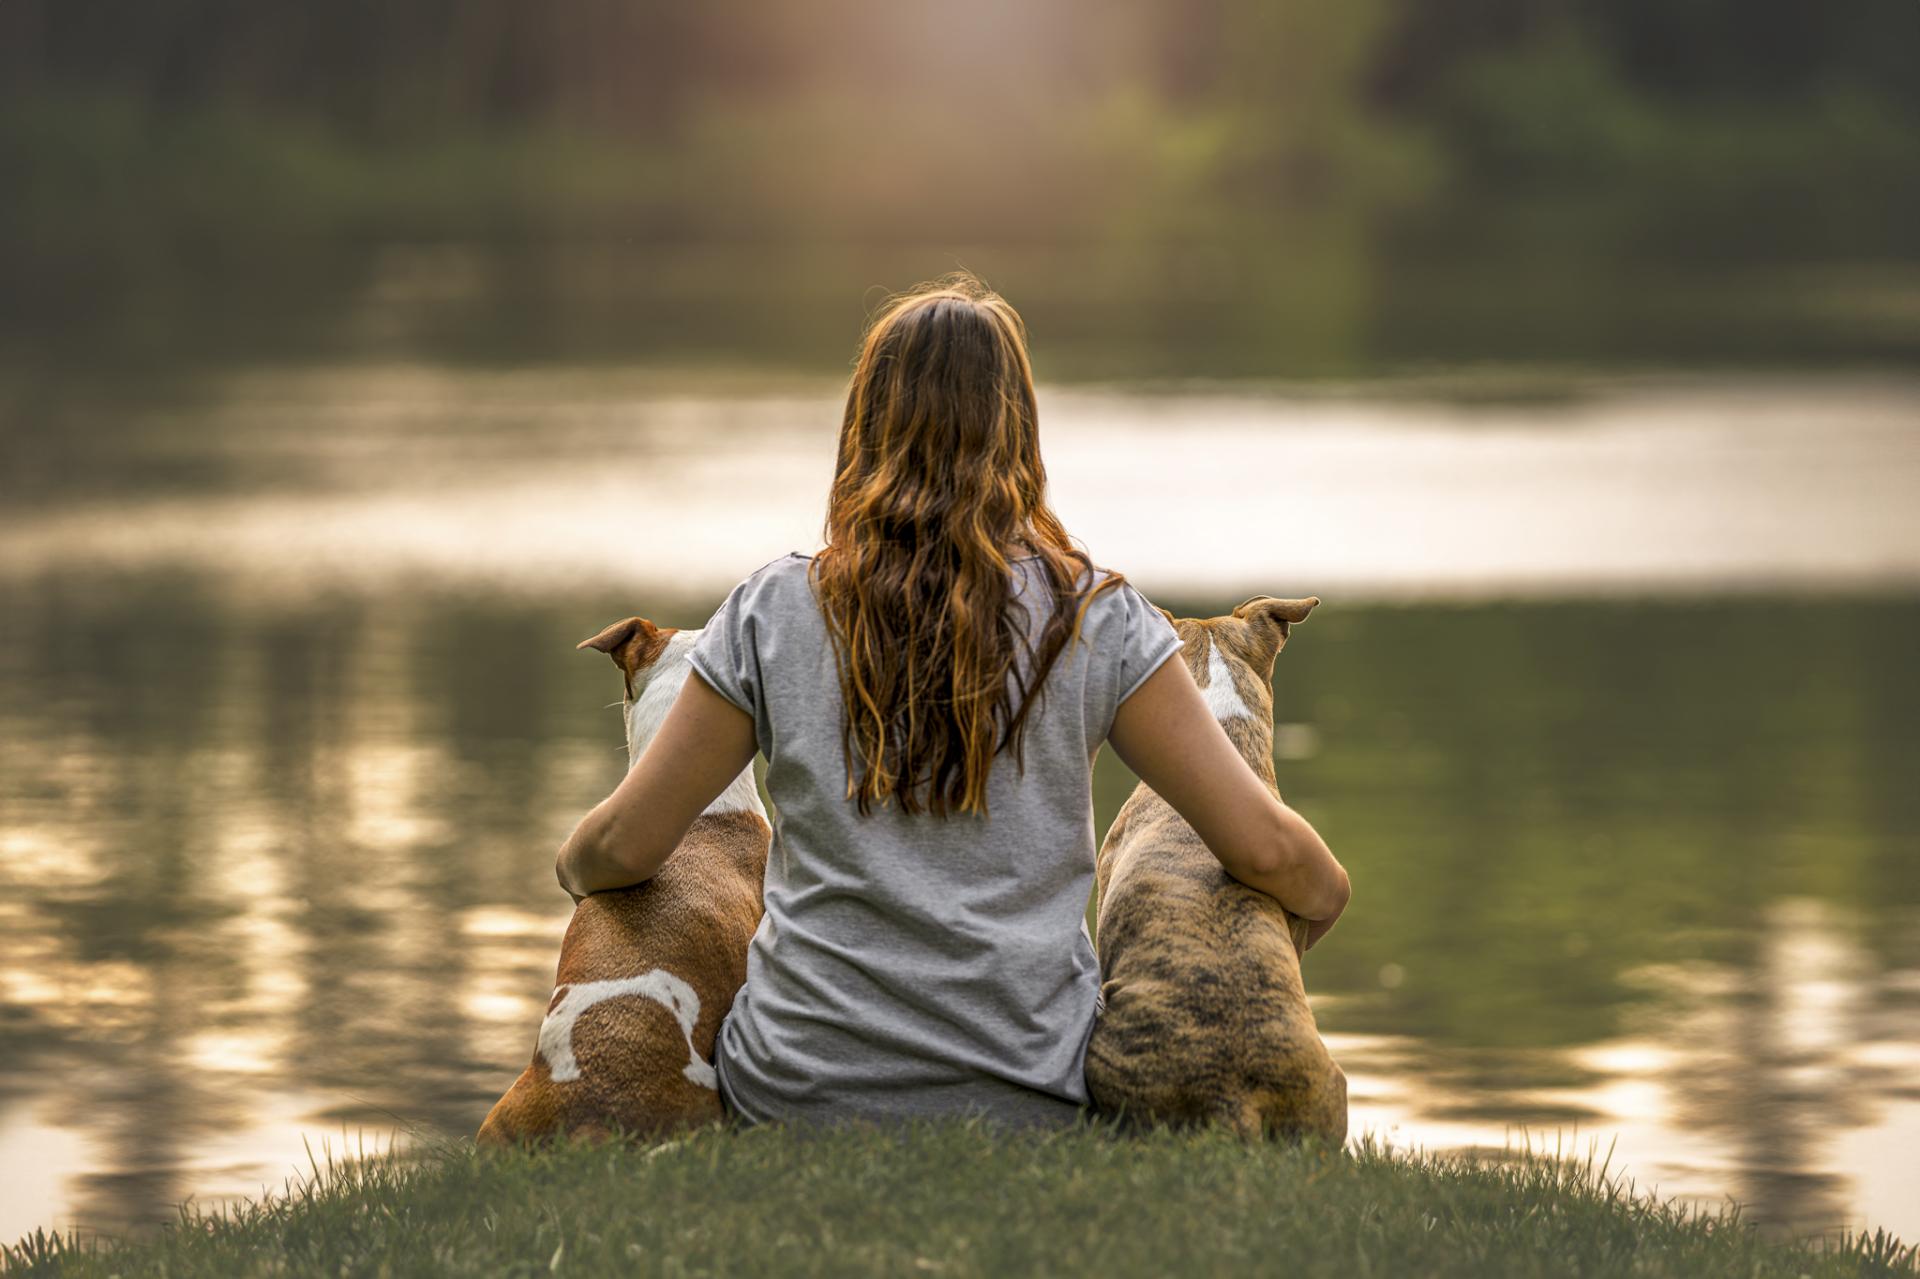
(1160, 657)
(729, 1100)
(698, 661)
(998, 1102)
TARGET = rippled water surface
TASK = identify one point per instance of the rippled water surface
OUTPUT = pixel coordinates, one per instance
(1612, 711)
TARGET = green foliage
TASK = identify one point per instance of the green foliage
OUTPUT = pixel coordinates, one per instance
(1553, 112)
(1336, 182)
(1559, 114)
(957, 1199)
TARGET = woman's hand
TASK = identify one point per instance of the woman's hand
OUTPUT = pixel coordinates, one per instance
(560, 872)
(1318, 928)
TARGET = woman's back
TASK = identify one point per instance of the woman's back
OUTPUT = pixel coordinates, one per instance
(913, 964)
(924, 949)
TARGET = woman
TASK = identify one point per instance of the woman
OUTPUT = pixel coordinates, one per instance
(930, 691)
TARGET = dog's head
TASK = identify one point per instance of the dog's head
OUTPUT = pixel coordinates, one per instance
(653, 663)
(1232, 657)
(636, 647)
(1267, 622)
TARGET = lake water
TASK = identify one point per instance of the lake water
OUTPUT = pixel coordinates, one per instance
(1612, 710)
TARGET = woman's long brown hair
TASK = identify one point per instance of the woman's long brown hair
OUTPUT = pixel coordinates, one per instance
(938, 486)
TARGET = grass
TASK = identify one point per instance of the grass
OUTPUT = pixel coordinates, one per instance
(955, 1200)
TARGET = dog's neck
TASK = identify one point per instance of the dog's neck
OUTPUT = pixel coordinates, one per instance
(658, 686)
(1247, 719)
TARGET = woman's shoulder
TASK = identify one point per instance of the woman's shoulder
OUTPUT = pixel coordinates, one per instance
(1109, 587)
(781, 567)
(774, 583)
(1124, 606)
(1112, 603)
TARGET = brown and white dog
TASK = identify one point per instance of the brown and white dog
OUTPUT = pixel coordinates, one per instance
(1206, 1018)
(647, 973)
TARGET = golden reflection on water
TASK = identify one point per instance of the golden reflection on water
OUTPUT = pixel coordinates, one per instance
(232, 932)
(1790, 1091)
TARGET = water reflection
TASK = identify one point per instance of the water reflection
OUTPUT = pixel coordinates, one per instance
(273, 871)
(1754, 1085)
(545, 482)
(242, 860)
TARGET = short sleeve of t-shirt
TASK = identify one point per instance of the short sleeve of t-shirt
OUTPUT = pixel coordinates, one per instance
(1147, 640)
(727, 654)
(1127, 639)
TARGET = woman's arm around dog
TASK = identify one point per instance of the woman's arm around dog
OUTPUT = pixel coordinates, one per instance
(1167, 736)
(626, 837)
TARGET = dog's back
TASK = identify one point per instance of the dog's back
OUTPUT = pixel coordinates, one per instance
(1206, 1017)
(646, 974)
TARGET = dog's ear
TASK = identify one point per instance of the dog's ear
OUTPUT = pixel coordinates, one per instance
(630, 644)
(616, 637)
(1272, 618)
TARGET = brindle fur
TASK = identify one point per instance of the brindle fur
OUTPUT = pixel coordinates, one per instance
(1206, 1017)
(694, 919)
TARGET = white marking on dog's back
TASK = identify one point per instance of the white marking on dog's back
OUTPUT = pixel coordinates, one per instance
(661, 986)
(648, 711)
(1223, 697)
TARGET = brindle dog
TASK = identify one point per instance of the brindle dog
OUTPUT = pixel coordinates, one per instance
(1206, 1019)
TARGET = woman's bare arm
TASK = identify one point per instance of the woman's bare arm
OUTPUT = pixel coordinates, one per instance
(1167, 736)
(701, 747)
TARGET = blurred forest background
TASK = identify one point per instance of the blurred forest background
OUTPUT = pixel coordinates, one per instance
(1216, 188)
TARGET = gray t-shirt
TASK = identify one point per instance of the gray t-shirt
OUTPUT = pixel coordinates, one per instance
(910, 965)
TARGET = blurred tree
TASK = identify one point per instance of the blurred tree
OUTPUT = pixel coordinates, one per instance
(1232, 152)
